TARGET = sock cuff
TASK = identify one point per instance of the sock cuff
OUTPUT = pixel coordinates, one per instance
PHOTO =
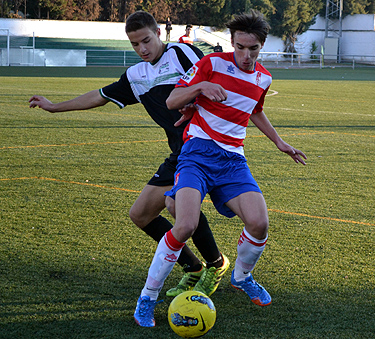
(172, 242)
(246, 236)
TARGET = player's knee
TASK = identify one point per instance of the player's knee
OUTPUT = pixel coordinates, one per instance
(170, 204)
(135, 217)
(141, 217)
(185, 230)
(257, 228)
(189, 231)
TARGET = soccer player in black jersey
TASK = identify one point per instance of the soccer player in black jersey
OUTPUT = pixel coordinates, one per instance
(150, 83)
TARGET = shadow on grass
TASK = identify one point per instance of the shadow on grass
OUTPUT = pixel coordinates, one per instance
(310, 314)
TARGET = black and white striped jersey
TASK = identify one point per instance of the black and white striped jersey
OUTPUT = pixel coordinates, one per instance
(151, 84)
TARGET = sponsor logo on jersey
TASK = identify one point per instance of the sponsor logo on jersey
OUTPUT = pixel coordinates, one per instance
(189, 75)
(164, 68)
(230, 69)
(258, 78)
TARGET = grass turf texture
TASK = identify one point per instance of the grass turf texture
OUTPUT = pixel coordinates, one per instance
(72, 264)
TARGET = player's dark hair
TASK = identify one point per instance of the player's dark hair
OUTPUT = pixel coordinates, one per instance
(253, 22)
(139, 20)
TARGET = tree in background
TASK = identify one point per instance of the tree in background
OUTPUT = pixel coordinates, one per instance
(212, 12)
(53, 9)
(242, 6)
(351, 7)
(182, 12)
(14, 8)
(288, 18)
(88, 10)
(291, 18)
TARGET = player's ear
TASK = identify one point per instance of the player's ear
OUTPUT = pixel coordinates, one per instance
(158, 32)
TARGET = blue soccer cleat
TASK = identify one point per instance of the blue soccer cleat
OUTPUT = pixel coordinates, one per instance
(144, 312)
(257, 293)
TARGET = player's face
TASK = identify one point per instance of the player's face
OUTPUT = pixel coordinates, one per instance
(147, 44)
(246, 49)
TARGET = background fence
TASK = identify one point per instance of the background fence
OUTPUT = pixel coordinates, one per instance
(36, 51)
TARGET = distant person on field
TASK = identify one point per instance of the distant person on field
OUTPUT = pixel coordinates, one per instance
(150, 83)
(218, 48)
(186, 39)
(168, 28)
(228, 90)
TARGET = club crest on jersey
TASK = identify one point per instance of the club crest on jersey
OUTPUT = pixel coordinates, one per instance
(189, 75)
(258, 78)
(230, 69)
(164, 68)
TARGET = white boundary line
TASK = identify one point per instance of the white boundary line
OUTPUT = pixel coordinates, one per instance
(273, 92)
(315, 111)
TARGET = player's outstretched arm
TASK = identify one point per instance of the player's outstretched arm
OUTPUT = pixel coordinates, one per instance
(261, 121)
(86, 101)
(181, 96)
(295, 153)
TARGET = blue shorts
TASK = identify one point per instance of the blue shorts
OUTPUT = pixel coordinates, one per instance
(207, 167)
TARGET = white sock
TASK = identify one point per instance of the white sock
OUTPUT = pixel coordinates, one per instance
(249, 250)
(162, 264)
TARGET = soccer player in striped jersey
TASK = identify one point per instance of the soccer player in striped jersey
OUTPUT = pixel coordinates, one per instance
(150, 83)
(186, 38)
(229, 89)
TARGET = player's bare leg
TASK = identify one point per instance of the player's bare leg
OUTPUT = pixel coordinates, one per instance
(145, 213)
(148, 205)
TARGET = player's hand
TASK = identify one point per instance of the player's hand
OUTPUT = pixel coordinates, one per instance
(187, 113)
(295, 153)
(41, 102)
(214, 92)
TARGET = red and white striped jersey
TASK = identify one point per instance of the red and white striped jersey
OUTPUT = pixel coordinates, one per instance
(185, 39)
(225, 122)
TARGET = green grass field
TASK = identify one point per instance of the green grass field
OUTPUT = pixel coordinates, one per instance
(72, 264)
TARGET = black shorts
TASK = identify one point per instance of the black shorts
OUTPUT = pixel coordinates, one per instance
(165, 174)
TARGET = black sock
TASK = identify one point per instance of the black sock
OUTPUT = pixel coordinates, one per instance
(204, 241)
(156, 230)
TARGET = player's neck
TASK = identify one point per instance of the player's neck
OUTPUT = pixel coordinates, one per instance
(162, 48)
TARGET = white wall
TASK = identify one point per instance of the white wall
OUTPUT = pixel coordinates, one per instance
(358, 35)
(65, 29)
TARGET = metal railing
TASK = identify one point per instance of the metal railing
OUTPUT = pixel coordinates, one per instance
(296, 60)
(111, 58)
(29, 56)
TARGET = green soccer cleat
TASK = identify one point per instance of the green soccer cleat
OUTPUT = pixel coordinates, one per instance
(211, 278)
(187, 283)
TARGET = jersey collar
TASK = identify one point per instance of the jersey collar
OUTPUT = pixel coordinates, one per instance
(156, 61)
(255, 65)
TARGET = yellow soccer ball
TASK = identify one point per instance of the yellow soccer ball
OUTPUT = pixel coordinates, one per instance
(191, 314)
